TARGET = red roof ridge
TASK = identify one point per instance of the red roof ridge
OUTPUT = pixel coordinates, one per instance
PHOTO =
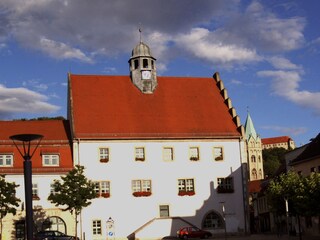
(279, 139)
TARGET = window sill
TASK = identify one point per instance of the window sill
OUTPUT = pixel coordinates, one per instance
(141, 194)
(104, 160)
(186, 193)
(35, 197)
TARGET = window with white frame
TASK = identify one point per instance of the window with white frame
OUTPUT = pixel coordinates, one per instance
(186, 187)
(164, 211)
(168, 154)
(96, 227)
(6, 160)
(104, 154)
(141, 188)
(35, 193)
(102, 188)
(194, 153)
(50, 159)
(225, 185)
(139, 154)
(218, 153)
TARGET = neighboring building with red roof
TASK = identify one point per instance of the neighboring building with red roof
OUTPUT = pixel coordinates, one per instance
(278, 142)
(52, 158)
(164, 152)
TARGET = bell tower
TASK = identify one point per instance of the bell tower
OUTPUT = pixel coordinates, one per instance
(142, 68)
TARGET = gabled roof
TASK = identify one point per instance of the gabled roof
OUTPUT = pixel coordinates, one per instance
(311, 151)
(111, 107)
(275, 140)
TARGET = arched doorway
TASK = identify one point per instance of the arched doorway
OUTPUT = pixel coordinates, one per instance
(212, 220)
(54, 223)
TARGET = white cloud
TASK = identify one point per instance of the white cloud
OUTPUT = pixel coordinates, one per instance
(201, 43)
(36, 84)
(290, 131)
(286, 84)
(283, 63)
(22, 100)
(62, 51)
(268, 32)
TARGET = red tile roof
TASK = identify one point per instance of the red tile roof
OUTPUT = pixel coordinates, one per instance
(111, 107)
(56, 139)
(52, 130)
(254, 186)
(274, 140)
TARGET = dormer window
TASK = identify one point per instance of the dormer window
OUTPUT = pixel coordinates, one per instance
(49, 160)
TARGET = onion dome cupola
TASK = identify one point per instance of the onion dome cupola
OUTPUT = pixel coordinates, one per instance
(143, 69)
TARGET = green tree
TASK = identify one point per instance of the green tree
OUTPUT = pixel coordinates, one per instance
(289, 185)
(8, 199)
(309, 202)
(303, 193)
(272, 160)
(74, 192)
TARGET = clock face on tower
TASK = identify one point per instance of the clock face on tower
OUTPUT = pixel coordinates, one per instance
(146, 75)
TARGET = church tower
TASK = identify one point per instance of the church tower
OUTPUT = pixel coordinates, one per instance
(143, 69)
(254, 148)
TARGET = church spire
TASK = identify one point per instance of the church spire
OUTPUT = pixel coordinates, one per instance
(249, 128)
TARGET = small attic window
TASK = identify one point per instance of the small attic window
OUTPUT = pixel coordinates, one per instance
(145, 63)
(136, 64)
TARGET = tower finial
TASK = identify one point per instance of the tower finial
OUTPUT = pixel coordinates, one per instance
(140, 31)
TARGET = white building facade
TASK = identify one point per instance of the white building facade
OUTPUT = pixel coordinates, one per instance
(173, 187)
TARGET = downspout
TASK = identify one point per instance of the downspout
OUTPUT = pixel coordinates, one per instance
(78, 162)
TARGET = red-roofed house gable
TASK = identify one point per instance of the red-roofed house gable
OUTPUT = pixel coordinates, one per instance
(56, 140)
(111, 107)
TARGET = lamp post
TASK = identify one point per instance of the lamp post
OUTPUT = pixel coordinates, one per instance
(224, 219)
(287, 213)
(26, 153)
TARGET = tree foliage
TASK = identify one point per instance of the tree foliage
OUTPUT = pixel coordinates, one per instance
(302, 193)
(8, 200)
(74, 192)
(272, 160)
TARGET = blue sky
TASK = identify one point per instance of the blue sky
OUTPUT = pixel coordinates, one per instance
(267, 53)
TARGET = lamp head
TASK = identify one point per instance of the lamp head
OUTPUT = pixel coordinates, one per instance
(26, 142)
(25, 137)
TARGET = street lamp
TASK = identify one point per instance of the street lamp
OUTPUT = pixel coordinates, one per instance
(25, 152)
(224, 219)
(287, 213)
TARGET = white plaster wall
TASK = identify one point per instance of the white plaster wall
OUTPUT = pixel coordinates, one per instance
(130, 213)
(42, 208)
